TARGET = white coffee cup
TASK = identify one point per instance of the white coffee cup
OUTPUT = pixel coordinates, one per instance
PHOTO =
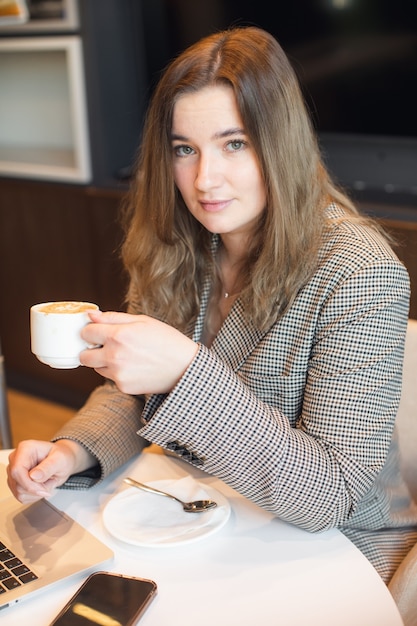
(55, 332)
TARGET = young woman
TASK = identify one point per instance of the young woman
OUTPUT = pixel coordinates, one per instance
(264, 336)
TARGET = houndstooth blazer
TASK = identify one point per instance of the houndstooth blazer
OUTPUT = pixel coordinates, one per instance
(298, 418)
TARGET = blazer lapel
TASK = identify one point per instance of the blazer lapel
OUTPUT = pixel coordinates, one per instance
(236, 338)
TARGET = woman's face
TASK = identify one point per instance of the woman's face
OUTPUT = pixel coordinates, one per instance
(215, 168)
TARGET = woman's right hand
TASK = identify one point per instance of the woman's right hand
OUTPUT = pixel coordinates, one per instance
(36, 468)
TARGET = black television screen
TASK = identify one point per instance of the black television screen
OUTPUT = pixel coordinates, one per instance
(357, 64)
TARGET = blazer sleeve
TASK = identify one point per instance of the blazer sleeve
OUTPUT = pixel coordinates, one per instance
(107, 426)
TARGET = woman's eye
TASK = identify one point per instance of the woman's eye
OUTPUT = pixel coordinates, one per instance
(235, 145)
(182, 151)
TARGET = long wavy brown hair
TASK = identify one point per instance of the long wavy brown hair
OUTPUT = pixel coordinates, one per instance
(166, 251)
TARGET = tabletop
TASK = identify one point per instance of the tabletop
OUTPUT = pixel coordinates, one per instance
(256, 569)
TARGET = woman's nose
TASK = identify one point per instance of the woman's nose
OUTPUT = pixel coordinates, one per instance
(208, 173)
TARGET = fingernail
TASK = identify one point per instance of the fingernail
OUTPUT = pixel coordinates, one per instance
(43, 494)
(36, 474)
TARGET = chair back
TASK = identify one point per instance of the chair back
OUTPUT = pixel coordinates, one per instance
(407, 413)
(403, 585)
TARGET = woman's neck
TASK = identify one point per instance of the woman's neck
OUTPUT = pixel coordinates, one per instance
(229, 273)
(233, 250)
(224, 295)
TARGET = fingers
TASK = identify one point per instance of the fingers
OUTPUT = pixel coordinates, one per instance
(26, 474)
(138, 353)
(98, 333)
(36, 468)
(112, 317)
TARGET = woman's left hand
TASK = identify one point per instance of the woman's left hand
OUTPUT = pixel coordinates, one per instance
(140, 354)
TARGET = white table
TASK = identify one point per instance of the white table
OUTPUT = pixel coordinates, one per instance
(255, 570)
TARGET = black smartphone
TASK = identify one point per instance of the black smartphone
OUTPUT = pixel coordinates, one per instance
(106, 598)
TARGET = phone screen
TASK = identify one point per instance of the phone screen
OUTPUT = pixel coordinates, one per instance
(107, 599)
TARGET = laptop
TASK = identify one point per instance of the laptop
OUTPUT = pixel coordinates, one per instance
(41, 546)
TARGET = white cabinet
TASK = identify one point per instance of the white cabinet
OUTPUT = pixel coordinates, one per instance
(43, 112)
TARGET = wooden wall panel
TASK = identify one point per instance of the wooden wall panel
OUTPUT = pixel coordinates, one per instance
(57, 242)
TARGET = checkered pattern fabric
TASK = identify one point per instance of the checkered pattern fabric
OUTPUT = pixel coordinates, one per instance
(298, 418)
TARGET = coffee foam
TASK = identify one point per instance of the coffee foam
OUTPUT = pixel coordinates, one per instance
(67, 307)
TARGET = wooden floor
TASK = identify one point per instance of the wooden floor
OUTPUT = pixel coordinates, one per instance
(33, 418)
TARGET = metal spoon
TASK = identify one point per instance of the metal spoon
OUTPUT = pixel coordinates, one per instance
(198, 506)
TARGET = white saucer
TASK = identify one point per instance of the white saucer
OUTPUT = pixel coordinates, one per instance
(144, 519)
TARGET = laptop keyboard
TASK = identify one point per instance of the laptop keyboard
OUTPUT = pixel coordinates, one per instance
(13, 572)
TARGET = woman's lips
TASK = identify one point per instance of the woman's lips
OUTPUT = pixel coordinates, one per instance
(213, 206)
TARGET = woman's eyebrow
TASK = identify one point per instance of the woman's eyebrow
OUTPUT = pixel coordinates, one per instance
(176, 137)
(228, 132)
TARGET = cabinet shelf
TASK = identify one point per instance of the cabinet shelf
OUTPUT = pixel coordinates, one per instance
(44, 129)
